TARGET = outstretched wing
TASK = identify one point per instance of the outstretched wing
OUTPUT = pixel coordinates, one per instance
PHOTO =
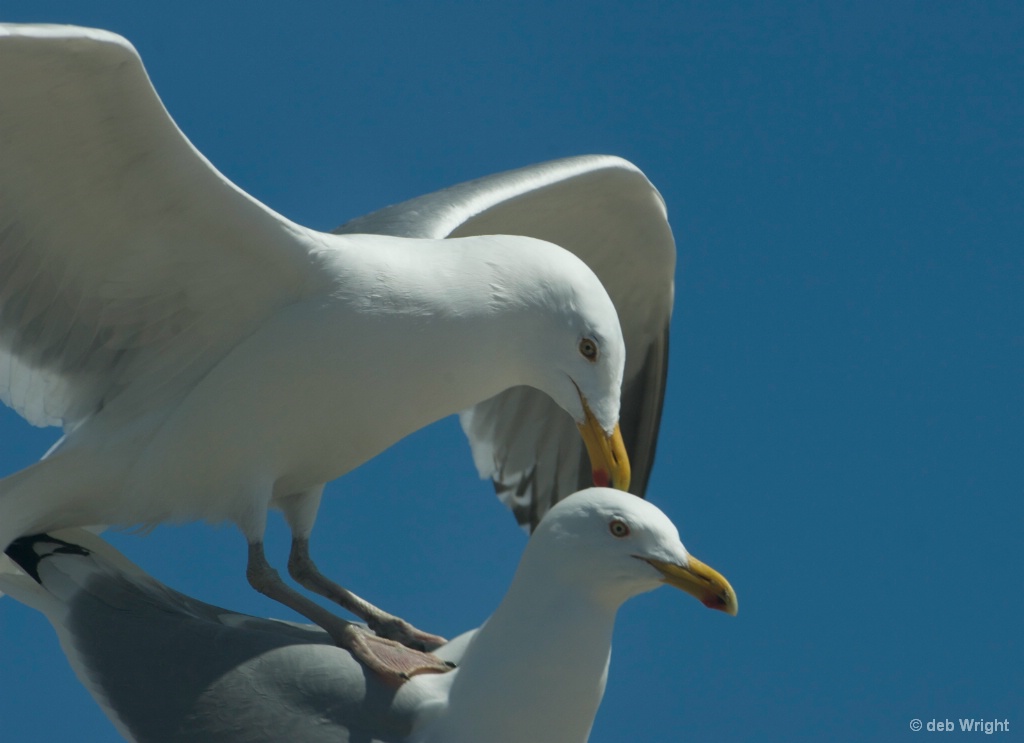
(127, 262)
(604, 210)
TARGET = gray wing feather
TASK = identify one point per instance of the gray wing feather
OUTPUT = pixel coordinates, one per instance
(604, 210)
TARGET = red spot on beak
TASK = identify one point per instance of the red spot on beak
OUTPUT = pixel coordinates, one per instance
(600, 478)
(714, 602)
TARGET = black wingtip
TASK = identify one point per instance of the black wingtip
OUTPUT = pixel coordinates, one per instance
(23, 551)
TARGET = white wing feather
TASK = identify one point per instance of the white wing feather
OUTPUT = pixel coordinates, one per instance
(126, 259)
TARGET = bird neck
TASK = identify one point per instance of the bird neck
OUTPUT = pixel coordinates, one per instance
(535, 671)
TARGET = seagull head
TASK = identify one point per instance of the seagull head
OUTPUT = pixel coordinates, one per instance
(617, 546)
(578, 354)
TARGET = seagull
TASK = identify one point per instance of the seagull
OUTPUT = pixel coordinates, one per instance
(209, 359)
(165, 667)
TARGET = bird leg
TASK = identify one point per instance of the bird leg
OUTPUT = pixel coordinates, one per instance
(393, 662)
(305, 572)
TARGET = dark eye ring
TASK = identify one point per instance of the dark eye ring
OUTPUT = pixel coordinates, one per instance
(619, 528)
(588, 347)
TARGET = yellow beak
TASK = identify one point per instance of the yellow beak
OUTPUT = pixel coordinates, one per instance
(608, 458)
(700, 581)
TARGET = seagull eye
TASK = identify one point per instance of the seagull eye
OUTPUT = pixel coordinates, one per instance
(588, 347)
(619, 529)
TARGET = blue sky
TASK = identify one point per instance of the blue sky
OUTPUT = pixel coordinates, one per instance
(843, 434)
